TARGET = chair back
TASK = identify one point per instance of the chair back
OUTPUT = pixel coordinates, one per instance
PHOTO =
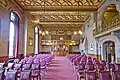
(11, 75)
(35, 66)
(118, 67)
(111, 67)
(16, 61)
(1, 74)
(91, 76)
(90, 67)
(105, 75)
(25, 75)
(100, 67)
(17, 66)
(81, 66)
(26, 66)
(10, 65)
(2, 65)
(116, 75)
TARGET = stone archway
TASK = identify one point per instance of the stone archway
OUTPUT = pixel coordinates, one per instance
(109, 38)
(109, 51)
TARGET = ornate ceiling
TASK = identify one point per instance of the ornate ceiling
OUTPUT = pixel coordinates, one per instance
(59, 4)
(59, 15)
(4, 4)
(61, 27)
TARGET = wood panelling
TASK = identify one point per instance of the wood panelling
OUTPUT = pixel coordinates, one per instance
(4, 58)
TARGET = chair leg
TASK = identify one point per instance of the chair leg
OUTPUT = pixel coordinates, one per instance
(39, 77)
(77, 77)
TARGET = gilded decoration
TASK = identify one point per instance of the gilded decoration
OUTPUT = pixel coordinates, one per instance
(59, 16)
(4, 4)
(61, 27)
(59, 4)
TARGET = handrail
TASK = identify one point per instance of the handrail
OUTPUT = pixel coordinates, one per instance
(109, 25)
(50, 42)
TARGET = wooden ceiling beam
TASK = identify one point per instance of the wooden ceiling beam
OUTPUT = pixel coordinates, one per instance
(62, 9)
(58, 22)
(63, 21)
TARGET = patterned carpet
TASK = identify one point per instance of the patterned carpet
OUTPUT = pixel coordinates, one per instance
(60, 69)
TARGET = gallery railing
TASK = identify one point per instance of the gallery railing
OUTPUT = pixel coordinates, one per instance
(108, 26)
(60, 42)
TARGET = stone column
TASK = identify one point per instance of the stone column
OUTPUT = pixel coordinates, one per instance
(25, 34)
(21, 39)
(40, 40)
(95, 20)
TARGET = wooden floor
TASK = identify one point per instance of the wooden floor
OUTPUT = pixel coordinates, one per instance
(60, 69)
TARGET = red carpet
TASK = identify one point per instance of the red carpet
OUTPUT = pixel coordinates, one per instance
(60, 69)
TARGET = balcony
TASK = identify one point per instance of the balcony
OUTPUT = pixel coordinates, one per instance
(60, 42)
(107, 27)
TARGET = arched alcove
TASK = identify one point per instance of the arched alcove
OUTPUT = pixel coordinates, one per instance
(107, 9)
(109, 51)
(109, 38)
(110, 13)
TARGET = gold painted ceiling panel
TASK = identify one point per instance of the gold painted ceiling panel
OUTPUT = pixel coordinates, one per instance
(58, 4)
(59, 16)
(60, 27)
(4, 4)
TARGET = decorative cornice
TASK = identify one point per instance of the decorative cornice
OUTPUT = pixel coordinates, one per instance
(63, 5)
(4, 4)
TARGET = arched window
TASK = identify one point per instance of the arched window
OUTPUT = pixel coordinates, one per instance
(36, 40)
(13, 35)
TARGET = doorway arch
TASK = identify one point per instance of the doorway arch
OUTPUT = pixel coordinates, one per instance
(109, 51)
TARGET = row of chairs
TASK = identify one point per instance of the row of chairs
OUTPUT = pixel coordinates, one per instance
(16, 70)
(15, 75)
(44, 53)
(24, 69)
(89, 68)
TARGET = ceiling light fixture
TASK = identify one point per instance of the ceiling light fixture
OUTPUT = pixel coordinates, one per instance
(80, 32)
(72, 41)
(49, 41)
(46, 32)
(40, 32)
(43, 33)
(75, 32)
(61, 38)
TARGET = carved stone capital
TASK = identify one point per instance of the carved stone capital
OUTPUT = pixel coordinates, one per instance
(118, 7)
